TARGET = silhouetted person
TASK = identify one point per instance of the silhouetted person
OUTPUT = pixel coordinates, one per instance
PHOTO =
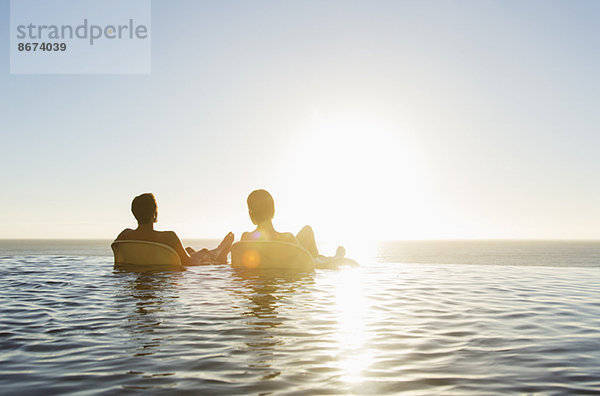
(145, 210)
(261, 208)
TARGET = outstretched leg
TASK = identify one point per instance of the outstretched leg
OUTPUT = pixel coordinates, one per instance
(306, 237)
(215, 256)
(221, 252)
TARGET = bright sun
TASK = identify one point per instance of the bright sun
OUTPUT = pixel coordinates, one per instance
(363, 179)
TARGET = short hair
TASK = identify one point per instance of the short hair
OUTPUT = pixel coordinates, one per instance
(144, 207)
(261, 205)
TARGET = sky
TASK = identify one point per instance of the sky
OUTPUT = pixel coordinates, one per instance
(369, 120)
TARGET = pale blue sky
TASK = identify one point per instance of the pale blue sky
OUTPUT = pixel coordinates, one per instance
(452, 119)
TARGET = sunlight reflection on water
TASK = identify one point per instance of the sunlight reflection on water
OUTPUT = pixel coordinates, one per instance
(351, 336)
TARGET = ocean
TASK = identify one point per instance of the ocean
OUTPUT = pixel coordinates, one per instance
(435, 317)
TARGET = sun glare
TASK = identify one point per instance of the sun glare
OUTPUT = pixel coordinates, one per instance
(363, 177)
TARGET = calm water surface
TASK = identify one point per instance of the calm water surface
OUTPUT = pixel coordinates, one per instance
(73, 324)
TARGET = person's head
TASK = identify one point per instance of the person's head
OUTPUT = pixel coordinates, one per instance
(144, 208)
(260, 206)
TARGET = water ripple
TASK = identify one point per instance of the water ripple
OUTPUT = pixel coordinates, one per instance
(76, 325)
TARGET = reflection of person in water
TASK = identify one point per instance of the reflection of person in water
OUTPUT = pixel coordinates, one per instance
(143, 298)
(261, 208)
(145, 210)
(269, 298)
(264, 291)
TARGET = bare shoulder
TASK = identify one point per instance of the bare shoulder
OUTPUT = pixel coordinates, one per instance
(124, 234)
(168, 236)
(288, 237)
(246, 236)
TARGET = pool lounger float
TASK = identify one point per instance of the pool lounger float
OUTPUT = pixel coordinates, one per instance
(145, 254)
(271, 254)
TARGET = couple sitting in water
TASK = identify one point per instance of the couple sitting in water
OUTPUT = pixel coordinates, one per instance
(261, 208)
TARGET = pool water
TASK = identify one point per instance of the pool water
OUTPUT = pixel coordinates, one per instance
(74, 324)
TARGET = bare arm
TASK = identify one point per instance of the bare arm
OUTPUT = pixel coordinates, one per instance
(174, 241)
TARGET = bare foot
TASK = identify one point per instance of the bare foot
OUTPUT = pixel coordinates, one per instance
(224, 248)
(340, 252)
